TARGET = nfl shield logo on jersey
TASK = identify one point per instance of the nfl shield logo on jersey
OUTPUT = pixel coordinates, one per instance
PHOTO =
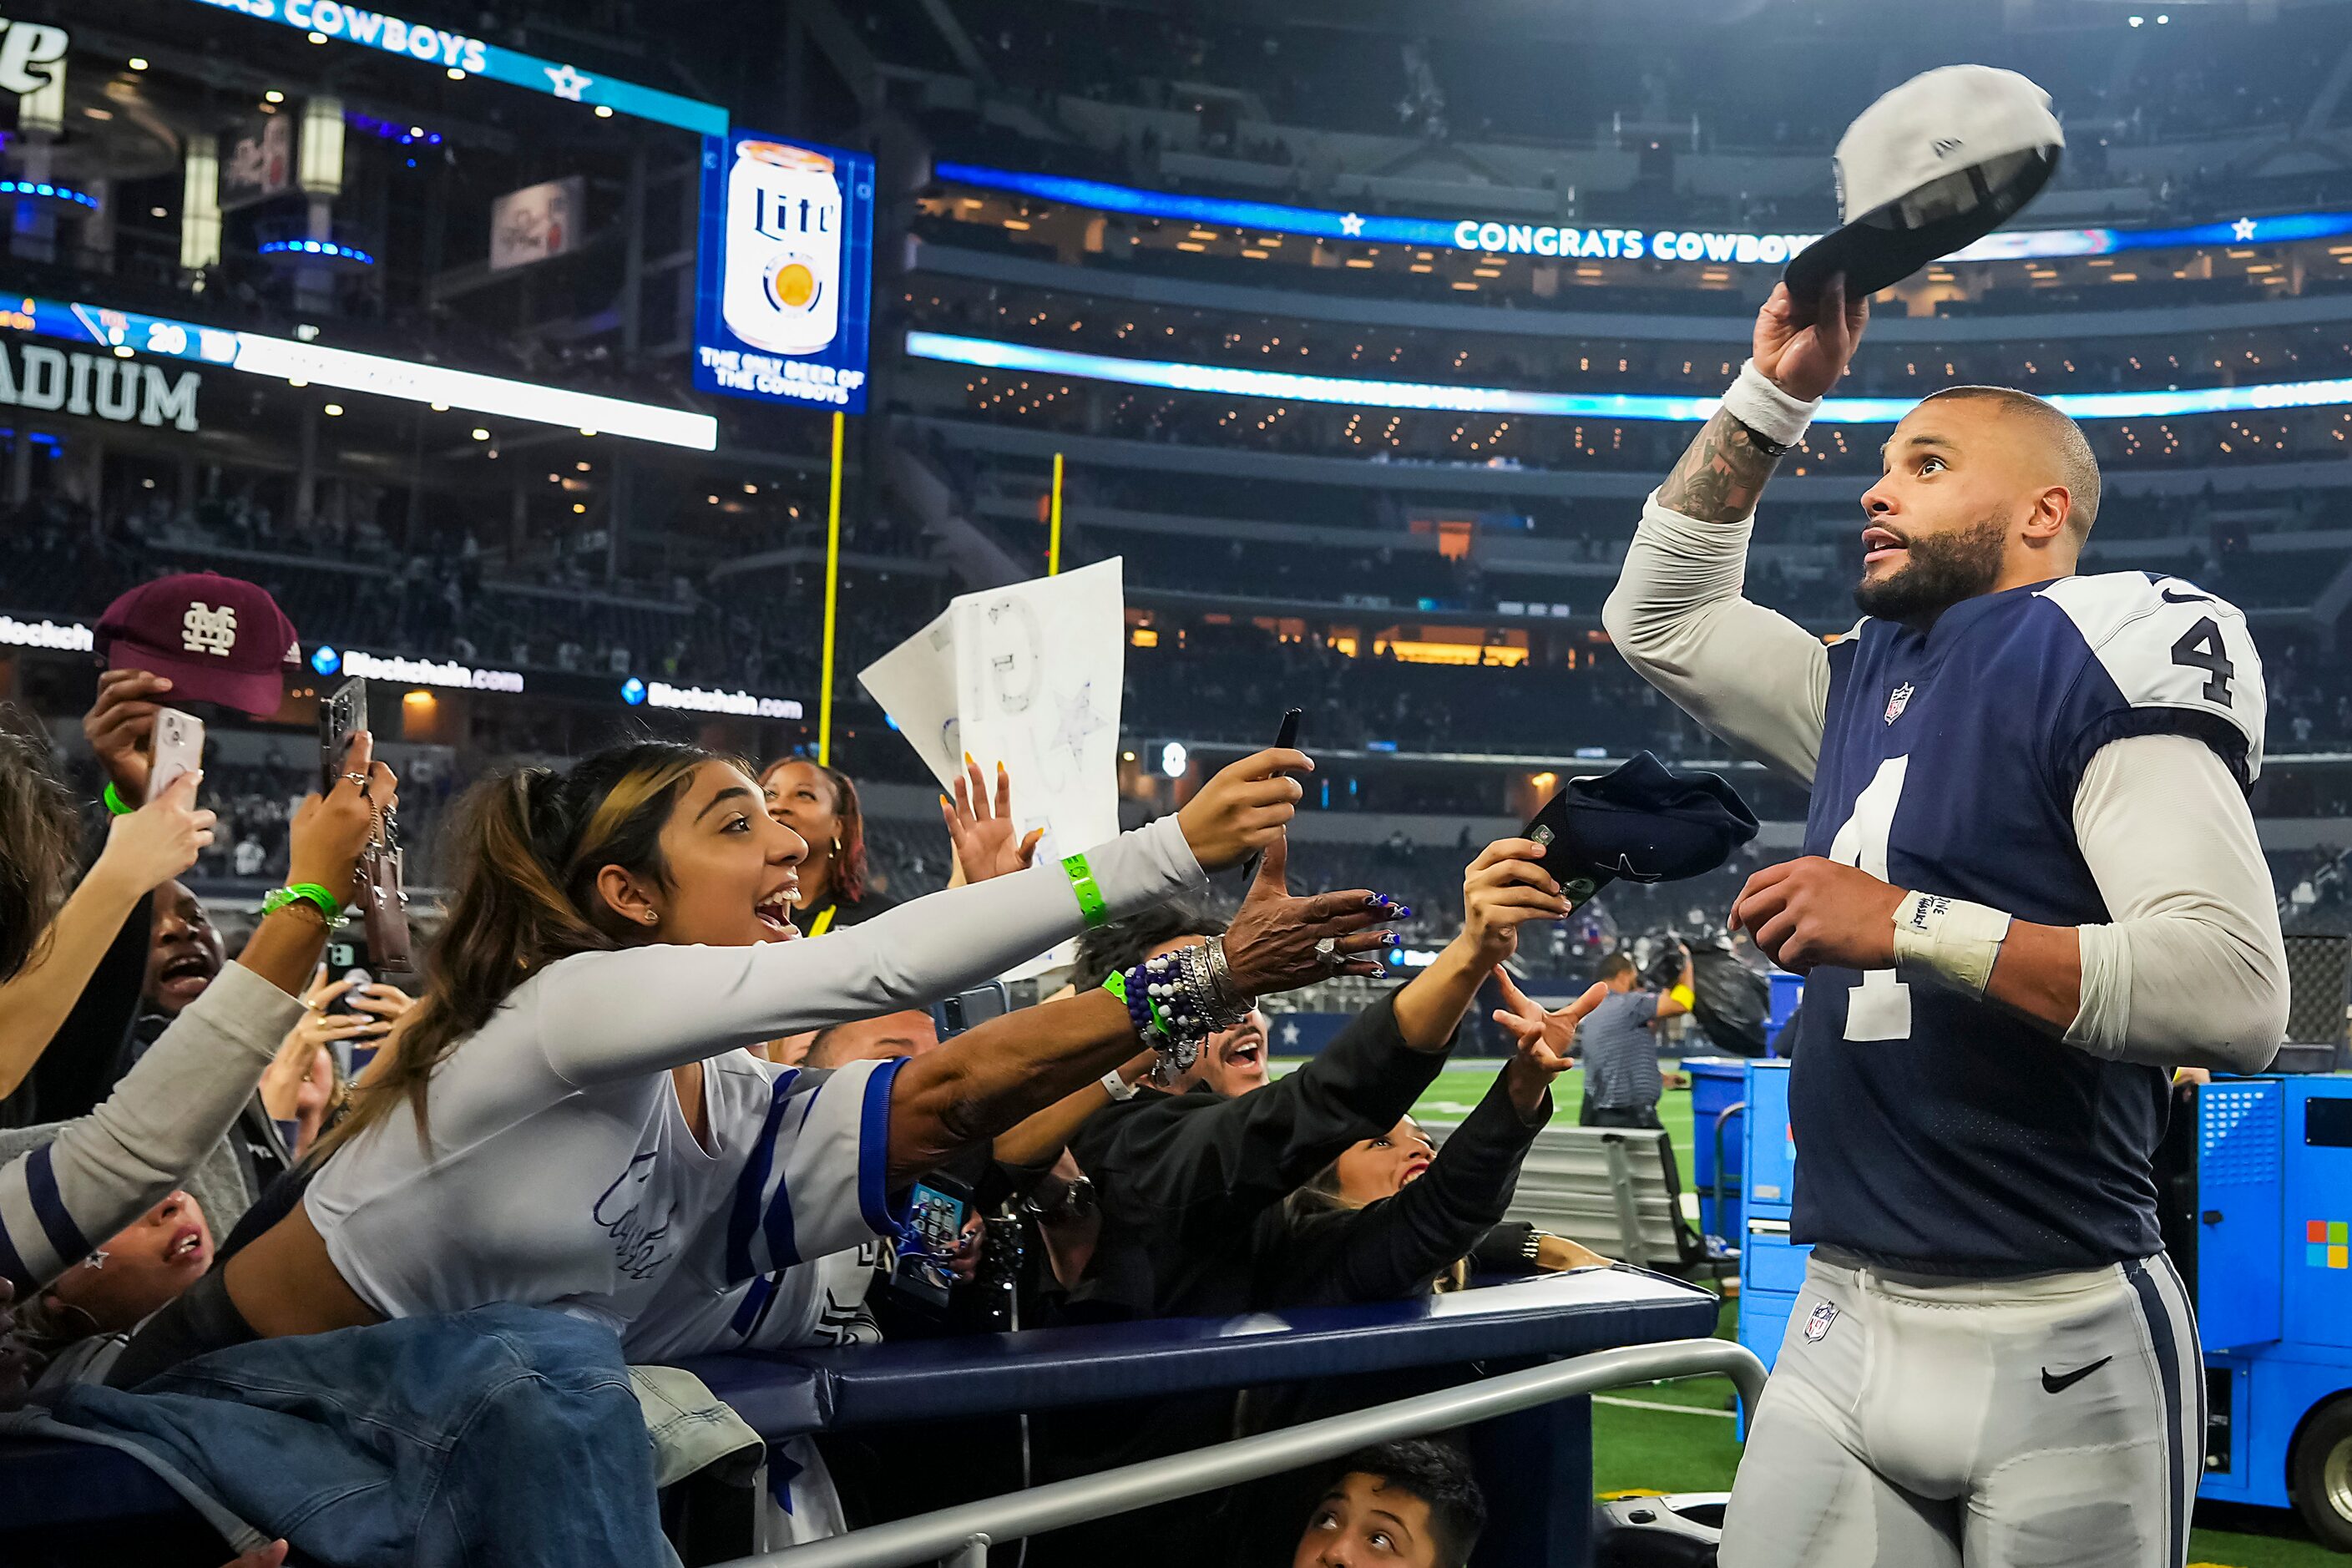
(1817, 1327)
(1898, 700)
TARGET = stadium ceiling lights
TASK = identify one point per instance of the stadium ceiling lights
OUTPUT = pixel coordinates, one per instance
(316, 364)
(1225, 381)
(1494, 237)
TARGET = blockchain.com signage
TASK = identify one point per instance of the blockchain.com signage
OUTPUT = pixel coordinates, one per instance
(784, 274)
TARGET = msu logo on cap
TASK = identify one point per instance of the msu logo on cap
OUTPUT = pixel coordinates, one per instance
(203, 630)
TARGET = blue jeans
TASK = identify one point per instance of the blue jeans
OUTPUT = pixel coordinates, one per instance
(503, 1435)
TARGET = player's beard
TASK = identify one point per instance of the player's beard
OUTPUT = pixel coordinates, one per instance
(1945, 568)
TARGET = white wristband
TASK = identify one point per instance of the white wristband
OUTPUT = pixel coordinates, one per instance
(1117, 1086)
(1764, 408)
(1949, 940)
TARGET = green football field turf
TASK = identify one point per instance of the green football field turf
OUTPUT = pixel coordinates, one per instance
(1639, 1447)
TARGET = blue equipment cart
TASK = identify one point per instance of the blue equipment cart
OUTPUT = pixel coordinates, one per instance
(1718, 1097)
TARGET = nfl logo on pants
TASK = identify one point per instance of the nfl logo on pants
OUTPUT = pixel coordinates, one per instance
(1817, 1327)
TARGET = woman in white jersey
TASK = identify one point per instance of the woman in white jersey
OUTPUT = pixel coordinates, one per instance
(567, 1118)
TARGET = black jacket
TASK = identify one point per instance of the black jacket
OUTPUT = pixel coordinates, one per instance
(1394, 1248)
(1182, 1180)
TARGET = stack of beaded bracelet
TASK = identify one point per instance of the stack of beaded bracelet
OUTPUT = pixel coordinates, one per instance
(1179, 999)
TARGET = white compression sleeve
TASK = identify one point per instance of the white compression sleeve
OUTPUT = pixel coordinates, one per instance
(1750, 675)
(2192, 970)
(604, 1016)
(104, 1170)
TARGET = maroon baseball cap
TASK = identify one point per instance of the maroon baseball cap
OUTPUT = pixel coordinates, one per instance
(219, 639)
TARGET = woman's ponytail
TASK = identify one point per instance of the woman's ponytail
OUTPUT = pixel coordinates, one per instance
(525, 853)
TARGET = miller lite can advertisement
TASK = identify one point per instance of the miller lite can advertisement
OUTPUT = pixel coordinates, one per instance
(784, 274)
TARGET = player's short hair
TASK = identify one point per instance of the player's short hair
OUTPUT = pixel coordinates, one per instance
(2077, 466)
(1615, 965)
(1442, 1478)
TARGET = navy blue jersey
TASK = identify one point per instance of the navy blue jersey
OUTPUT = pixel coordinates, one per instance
(1939, 1131)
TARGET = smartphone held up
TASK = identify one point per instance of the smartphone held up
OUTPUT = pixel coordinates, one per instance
(175, 748)
(383, 894)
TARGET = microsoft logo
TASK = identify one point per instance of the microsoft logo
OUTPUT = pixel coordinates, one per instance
(2328, 1243)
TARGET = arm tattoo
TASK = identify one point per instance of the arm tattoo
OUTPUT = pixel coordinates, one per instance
(1721, 475)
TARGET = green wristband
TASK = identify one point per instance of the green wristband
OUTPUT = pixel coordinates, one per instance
(1116, 984)
(114, 802)
(1091, 908)
(329, 905)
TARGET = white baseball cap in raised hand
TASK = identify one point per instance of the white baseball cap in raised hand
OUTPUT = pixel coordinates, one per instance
(1936, 165)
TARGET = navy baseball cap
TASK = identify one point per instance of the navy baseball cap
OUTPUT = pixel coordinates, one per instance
(1645, 822)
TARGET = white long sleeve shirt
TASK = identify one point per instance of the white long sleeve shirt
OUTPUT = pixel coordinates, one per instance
(104, 1170)
(562, 1172)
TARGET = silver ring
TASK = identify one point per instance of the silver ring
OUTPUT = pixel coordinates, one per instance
(359, 779)
(1327, 951)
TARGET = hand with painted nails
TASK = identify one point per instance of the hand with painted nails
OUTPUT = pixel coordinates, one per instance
(1503, 889)
(1275, 940)
(987, 842)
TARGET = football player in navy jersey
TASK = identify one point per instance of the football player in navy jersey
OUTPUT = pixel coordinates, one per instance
(2030, 888)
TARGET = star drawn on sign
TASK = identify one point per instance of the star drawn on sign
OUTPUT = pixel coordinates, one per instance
(1351, 224)
(1078, 719)
(2243, 229)
(568, 82)
(1290, 1034)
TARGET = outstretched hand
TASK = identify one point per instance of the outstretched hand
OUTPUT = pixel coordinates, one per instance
(1503, 889)
(119, 724)
(1272, 944)
(159, 840)
(329, 832)
(987, 842)
(1244, 808)
(1542, 1038)
(1803, 346)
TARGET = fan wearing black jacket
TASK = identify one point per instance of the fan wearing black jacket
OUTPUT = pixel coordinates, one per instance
(1182, 1182)
(1395, 1214)
(1181, 1178)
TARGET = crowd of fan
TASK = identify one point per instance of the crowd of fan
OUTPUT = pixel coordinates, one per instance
(193, 1160)
(178, 1120)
